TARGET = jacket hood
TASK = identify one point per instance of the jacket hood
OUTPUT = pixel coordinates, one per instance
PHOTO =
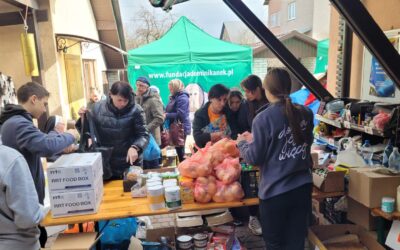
(11, 110)
(180, 93)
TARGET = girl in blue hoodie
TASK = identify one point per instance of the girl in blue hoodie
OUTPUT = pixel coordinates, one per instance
(280, 144)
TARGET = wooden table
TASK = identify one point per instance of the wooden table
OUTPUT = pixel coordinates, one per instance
(317, 194)
(117, 204)
(382, 217)
(392, 216)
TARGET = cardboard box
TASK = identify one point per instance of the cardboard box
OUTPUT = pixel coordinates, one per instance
(70, 203)
(318, 234)
(314, 157)
(155, 234)
(360, 214)
(81, 241)
(332, 182)
(368, 187)
(75, 171)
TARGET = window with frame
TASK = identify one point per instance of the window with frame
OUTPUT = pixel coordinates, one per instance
(274, 20)
(292, 11)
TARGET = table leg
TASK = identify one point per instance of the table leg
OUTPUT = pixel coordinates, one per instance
(381, 230)
(96, 229)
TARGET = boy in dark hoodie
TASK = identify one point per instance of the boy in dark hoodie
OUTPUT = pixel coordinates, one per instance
(19, 132)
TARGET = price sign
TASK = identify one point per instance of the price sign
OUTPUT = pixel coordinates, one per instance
(368, 130)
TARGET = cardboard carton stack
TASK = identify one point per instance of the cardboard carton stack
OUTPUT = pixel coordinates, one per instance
(367, 187)
(75, 184)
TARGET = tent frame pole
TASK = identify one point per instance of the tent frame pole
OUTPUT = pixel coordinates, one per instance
(280, 51)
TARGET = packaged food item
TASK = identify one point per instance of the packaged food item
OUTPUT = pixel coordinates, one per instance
(187, 189)
(155, 195)
(138, 191)
(173, 197)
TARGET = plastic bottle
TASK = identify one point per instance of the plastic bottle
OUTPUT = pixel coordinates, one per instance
(366, 153)
(386, 154)
(394, 159)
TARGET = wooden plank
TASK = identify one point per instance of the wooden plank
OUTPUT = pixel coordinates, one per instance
(117, 204)
(393, 216)
(23, 3)
(317, 194)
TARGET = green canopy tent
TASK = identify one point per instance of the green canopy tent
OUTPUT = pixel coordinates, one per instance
(188, 53)
(321, 64)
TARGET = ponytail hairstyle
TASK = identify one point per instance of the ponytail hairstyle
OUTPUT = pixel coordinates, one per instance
(278, 83)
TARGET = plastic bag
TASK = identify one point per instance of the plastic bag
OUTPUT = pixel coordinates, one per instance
(116, 234)
(228, 192)
(205, 188)
(152, 151)
(198, 165)
(228, 171)
(225, 146)
(380, 120)
(349, 157)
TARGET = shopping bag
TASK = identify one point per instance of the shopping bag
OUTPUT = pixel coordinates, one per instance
(88, 131)
(176, 134)
(152, 151)
(116, 234)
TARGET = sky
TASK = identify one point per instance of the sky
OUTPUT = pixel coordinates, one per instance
(206, 14)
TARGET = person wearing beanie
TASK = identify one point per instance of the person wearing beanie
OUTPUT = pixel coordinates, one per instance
(143, 80)
(154, 111)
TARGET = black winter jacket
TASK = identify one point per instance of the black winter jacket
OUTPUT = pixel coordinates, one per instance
(201, 120)
(120, 129)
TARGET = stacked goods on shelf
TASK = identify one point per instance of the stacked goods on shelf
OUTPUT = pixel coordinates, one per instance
(215, 168)
(75, 184)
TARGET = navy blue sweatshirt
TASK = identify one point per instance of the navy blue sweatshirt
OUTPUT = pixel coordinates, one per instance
(284, 165)
(18, 132)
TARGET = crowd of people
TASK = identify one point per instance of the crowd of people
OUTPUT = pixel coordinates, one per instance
(271, 133)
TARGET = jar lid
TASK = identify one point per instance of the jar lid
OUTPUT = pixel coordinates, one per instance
(184, 238)
(387, 199)
(200, 236)
(172, 188)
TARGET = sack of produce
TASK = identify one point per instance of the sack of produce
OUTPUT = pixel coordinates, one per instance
(228, 171)
(197, 165)
(228, 192)
(205, 188)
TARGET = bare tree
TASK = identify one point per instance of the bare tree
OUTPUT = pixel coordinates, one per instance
(148, 27)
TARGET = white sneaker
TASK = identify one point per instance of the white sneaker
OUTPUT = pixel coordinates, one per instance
(254, 225)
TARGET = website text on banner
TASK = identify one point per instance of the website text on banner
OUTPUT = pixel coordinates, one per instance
(206, 75)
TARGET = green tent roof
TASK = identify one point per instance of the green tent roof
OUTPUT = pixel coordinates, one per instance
(186, 43)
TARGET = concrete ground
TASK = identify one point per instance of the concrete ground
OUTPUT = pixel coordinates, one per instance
(251, 241)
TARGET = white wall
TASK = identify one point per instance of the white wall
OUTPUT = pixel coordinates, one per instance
(321, 19)
(11, 59)
(76, 17)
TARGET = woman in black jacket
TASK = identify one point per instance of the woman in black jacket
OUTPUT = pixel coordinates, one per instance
(238, 111)
(119, 123)
(211, 121)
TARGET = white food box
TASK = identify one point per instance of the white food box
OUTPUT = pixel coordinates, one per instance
(76, 202)
(78, 171)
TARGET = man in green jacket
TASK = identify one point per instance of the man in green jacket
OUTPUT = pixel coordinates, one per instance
(153, 109)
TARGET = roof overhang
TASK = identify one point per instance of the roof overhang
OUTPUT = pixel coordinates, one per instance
(109, 27)
(291, 35)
